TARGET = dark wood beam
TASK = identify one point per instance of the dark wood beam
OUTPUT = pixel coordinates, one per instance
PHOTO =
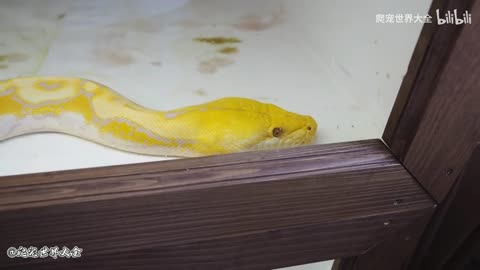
(432, 128)
(432, 51)
(435, 119)
(258, 210)
(447, 239)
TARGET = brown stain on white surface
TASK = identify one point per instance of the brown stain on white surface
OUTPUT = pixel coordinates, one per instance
(212, 65)
(256, 22)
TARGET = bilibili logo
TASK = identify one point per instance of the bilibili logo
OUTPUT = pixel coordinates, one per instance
(454, 18)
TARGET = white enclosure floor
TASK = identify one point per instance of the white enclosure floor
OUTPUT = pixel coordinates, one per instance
(327, 59)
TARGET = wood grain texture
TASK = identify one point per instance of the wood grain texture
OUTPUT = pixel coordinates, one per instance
(429, 58)
(396, 252)
(257, 210)
(434, 127)
(434, 73)
(454, 223)
(451, 124)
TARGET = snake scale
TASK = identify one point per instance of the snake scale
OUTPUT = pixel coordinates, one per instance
(95, 112)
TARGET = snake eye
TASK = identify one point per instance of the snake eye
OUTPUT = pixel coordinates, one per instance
(277, 132)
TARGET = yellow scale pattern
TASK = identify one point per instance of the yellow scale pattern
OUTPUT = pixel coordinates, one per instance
(222, 126)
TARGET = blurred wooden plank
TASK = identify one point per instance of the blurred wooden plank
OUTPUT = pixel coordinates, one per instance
(254, 210)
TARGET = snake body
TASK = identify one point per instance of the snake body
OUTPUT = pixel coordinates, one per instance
(94, 112)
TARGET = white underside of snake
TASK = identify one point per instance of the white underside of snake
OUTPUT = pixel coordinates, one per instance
(94, 112)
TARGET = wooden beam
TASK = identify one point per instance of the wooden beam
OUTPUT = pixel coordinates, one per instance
(432, 129)
(455, 222)
(258, 210)
(439, 112)
(428, 60)
(394, 253)
(451, 125)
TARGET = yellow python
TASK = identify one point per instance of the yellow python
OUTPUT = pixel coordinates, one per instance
(93, 111)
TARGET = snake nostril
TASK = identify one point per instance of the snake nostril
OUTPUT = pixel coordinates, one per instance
(309, 128)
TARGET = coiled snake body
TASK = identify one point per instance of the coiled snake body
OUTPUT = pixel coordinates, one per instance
(94, 112)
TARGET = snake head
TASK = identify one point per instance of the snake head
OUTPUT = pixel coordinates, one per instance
(286, 129)
(238, 124)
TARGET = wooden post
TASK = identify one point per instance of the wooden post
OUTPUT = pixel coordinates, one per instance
(432, 130)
